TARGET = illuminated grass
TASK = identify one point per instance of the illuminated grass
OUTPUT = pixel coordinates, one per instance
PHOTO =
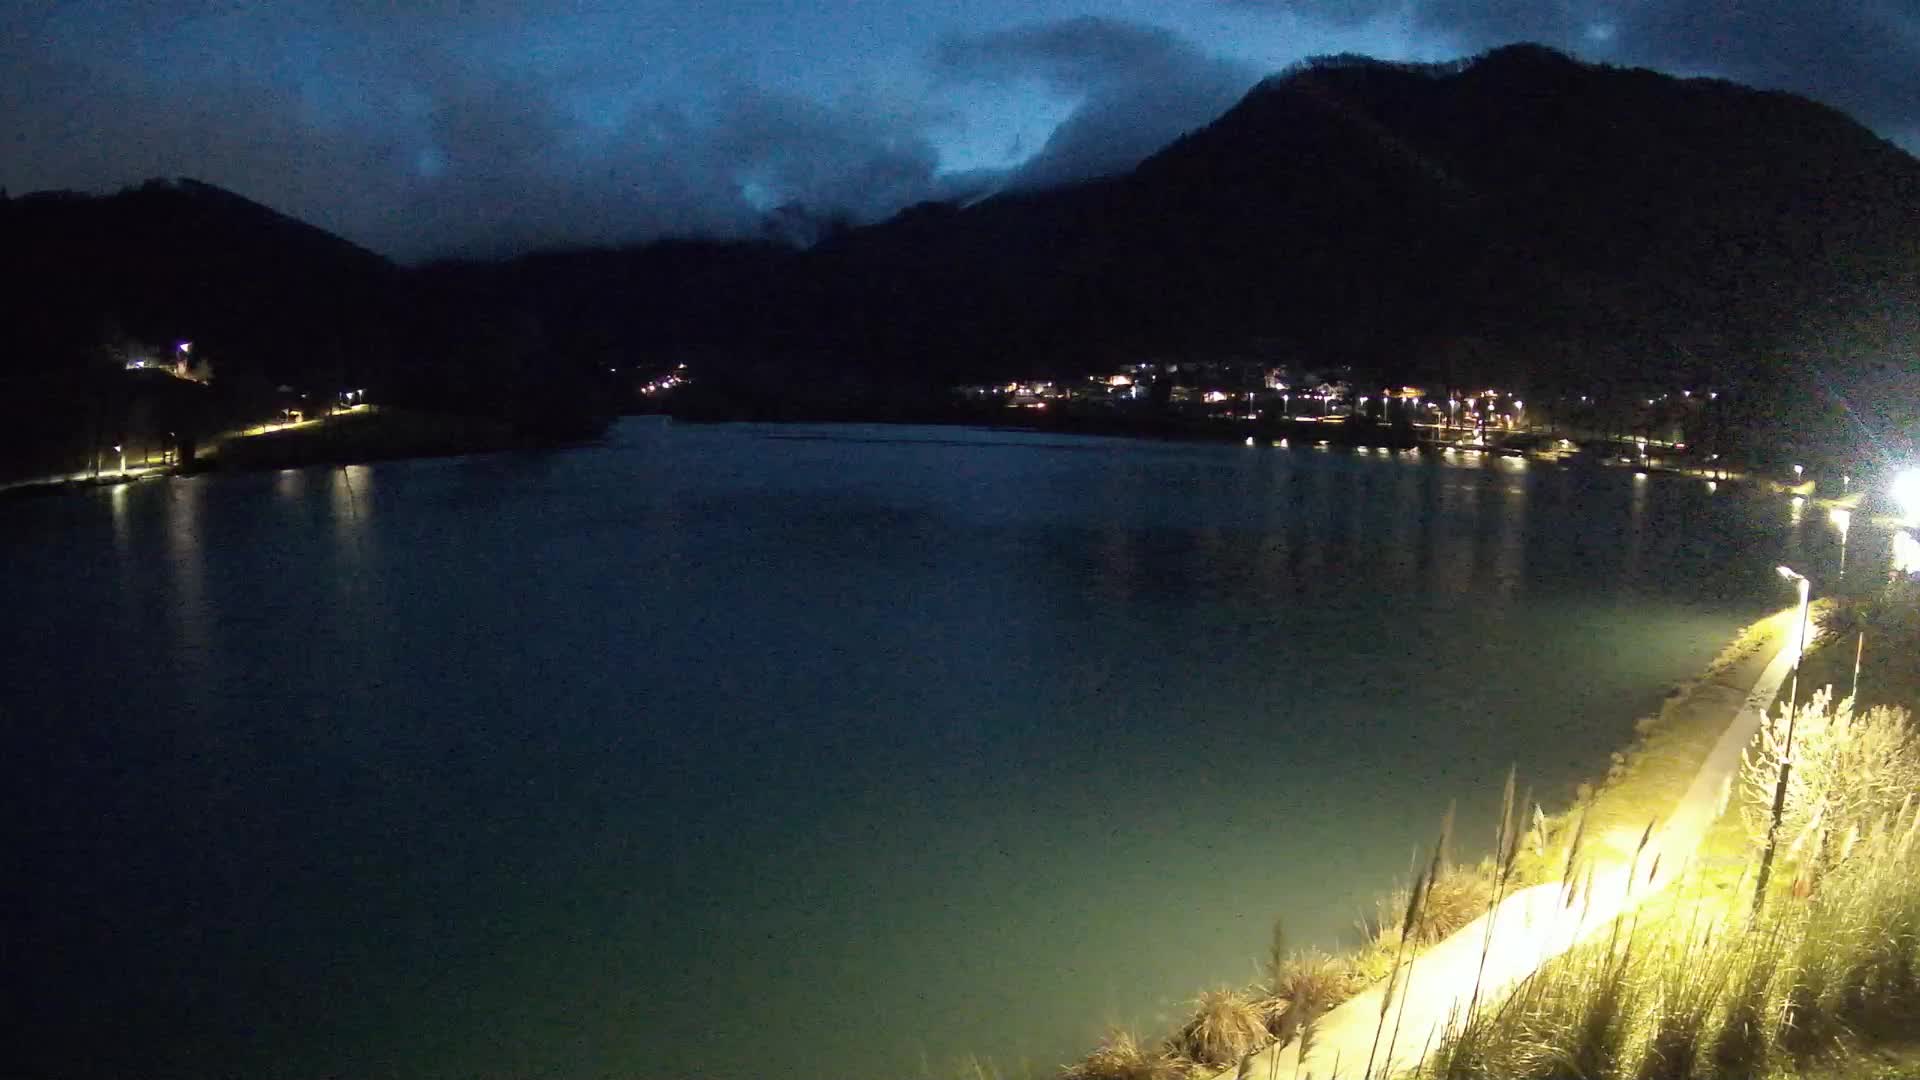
(1226, 1026)
(1720, 987)
(1120, 1057)
(1697, 984)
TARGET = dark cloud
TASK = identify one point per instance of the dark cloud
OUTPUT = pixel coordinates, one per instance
(1333, 12)
(1136, 88)
(369, 126)
(483, 126)
(1858, 55)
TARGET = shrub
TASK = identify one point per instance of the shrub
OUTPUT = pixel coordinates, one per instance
(1456, 896)
(1847, 771)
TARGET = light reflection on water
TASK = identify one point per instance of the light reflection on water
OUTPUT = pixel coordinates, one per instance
(712, 738)
(184, 570)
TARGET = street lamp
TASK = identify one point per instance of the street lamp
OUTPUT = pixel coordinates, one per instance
(1843, 520)
(1797, 471)
(1786, 755)
(1800, 643)
(122, 451)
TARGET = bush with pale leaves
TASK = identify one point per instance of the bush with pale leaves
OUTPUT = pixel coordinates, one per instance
(1848, 770)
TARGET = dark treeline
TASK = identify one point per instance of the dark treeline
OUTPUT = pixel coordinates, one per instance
(1522, 220)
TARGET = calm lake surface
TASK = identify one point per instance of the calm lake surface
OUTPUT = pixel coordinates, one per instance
(789, 751)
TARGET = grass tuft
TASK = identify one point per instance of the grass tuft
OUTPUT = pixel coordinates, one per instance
(1120, 1057)
(1226, 1026)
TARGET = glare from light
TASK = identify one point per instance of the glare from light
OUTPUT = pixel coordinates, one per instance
(1842, 519)
(1906, 492)
(1906, 553)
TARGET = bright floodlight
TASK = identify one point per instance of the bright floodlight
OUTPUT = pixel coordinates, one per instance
(1906, 553)
(1906, 492)
(1789, 573)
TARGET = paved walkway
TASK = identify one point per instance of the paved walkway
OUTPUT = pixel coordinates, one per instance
(1530, 927)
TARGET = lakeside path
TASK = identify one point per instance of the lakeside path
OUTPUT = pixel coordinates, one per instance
(1681, 771)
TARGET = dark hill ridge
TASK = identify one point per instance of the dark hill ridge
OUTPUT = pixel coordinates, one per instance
(269, 301)
(1519, 217)
(1404, 216)
(260, 292)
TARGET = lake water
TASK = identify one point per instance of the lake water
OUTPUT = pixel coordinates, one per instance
(788, 751)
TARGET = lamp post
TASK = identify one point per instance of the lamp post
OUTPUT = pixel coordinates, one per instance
(1843, 520)
(1786, 755)
(1800, 637)
(121, 449)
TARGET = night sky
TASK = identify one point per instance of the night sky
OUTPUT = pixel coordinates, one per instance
(482, 127)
